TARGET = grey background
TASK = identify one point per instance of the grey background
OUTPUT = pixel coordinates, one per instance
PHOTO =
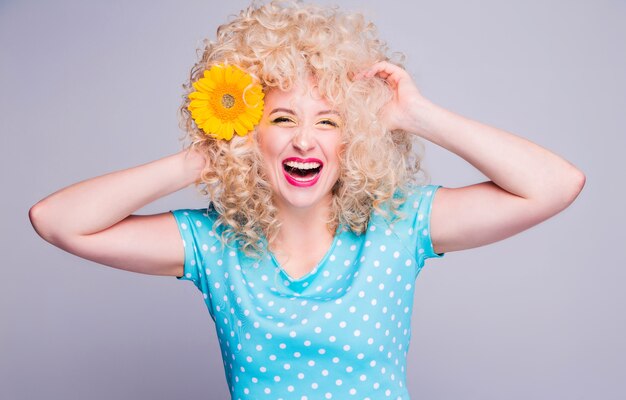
(89, 87)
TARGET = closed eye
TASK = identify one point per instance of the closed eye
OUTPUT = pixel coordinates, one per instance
(329, 122)
(282, 120)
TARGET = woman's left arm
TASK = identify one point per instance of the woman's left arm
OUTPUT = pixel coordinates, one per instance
(529, 184)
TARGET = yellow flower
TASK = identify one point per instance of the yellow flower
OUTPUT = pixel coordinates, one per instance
(226, 101)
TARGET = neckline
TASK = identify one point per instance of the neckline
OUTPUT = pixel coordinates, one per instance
(315, 269)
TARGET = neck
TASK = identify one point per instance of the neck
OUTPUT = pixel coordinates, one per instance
(303, 229)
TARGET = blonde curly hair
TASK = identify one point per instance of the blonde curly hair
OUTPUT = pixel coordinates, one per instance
(279, 44)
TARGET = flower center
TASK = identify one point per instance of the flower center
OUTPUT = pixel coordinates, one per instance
(228, 101)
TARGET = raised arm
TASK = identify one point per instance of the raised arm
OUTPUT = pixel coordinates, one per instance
(529, 184)
(93, 218)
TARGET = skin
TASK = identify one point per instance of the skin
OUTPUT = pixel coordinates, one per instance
(527, 184)
(299, 123)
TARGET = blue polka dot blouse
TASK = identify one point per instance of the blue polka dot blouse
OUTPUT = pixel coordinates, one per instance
(341, 331)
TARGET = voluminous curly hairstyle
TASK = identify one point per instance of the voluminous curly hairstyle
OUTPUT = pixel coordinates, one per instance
(281, 43)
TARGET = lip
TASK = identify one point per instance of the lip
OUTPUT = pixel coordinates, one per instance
(298, 183)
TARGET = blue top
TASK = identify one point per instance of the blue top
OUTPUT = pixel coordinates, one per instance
(341, 331)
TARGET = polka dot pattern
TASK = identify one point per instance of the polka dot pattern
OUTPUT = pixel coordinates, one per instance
(341, 331)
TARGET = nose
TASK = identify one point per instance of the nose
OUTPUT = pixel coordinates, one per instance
(303, 140)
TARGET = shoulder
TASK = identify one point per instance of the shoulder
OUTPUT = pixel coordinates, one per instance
(196, 218)
(413, 206)
(417, 198)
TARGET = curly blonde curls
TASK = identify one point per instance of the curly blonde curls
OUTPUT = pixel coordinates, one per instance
(279, 44)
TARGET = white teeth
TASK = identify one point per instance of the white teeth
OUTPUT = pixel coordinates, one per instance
(299, 165)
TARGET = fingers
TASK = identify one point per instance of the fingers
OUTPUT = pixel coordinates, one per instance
(385, 70)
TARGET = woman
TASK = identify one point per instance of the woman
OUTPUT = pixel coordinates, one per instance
(302, 133)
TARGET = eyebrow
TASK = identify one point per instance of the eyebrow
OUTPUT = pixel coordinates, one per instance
(289, 111)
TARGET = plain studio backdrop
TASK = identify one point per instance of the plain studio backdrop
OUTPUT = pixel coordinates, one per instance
(89, 87)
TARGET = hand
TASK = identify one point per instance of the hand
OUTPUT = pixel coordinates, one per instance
(194, 163)
(401, 112)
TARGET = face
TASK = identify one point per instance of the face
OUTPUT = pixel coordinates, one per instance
(299, 137)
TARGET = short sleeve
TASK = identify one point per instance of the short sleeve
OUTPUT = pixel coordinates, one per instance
(419, 207)
(199, 241)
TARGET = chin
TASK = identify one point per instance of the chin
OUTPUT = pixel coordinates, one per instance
(302, 200)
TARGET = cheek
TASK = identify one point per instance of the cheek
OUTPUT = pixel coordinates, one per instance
(264, 142)
(270, 152)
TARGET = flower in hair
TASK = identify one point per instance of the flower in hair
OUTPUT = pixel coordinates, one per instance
(226, 101)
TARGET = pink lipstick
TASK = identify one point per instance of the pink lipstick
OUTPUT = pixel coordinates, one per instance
(302, 172)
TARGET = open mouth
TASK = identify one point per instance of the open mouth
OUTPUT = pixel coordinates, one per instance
(302, 172)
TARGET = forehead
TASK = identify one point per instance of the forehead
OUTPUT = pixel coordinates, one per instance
(302, 96)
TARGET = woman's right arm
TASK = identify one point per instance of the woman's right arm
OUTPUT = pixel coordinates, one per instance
(93, 218)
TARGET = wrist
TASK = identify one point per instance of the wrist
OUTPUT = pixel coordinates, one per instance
(424, 118)
(191, 164)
